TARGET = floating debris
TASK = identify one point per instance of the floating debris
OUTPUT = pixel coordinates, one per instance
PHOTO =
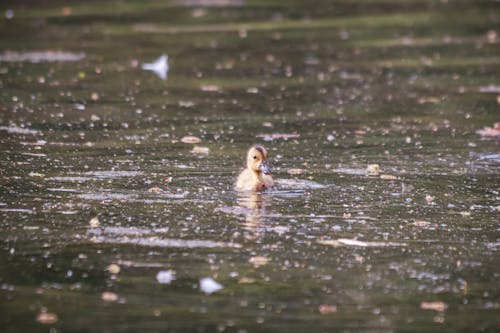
(429, 199)
(155, 241)
(492, 36)
(490, 89)
(113, 269)
(47, 318)
(490, 131)
(155, 190)
(491, 157)
(100, 196)
(296, 171)
(422, 224)
(200, 150)
(159, 67)
(41, 56)
(141, 264)
(36, 174)
(191, 139)
(373, 170)
(350, 171)
(436, 306)
(37, 143)
(18, 130)
(388, 177)
(94, 222)
(246, 280)
(253, 90)
(209, 285)
(186, 104)
(17, 210)
(210, 88)
(327, 309)
(431, 100)
(357, 243)
(122, 231)
(9, 14)
(299, 184)
(109, 296)
(165, 277)
(275, 136)
(34, 155)
(258, 261)
(66, 11)
(113, 174)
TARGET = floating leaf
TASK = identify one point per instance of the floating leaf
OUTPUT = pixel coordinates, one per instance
(94, 222)
(327, 309)
(113, 269)
(155, 190)
(200, 150)
(490, 131)
(47, 318)
(436, 306)
(421, 224)
(109, 296)
(36, 174)
(258, 261)
(373, 170)
(246, 280)
(388, 177)
(210, 88)
(296, 171)
(429, 199)
(191, 139)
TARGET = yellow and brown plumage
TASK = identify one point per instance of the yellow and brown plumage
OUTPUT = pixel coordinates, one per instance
(257, 175)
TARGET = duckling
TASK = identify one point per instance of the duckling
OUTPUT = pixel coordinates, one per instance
(257, 175)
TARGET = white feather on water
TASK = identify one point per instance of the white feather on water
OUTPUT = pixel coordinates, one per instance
(209, 285)
(159, 67)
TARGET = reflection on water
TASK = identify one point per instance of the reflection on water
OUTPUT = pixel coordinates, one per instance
(256, 205)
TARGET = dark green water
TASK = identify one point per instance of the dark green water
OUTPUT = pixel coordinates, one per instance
(401, 84)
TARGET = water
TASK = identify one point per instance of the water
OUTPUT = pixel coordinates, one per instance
(95, 173)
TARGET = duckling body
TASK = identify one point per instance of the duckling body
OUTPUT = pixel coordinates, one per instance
(257, 175)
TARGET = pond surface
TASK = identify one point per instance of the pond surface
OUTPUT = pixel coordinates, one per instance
(117, 185)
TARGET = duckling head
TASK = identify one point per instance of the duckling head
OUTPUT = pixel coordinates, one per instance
(257, 160)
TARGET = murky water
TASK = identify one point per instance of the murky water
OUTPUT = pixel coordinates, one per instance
(110, 216)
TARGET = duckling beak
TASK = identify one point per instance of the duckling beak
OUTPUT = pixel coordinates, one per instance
(264, 167)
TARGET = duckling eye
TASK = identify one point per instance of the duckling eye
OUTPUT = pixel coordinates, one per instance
(254, 157)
